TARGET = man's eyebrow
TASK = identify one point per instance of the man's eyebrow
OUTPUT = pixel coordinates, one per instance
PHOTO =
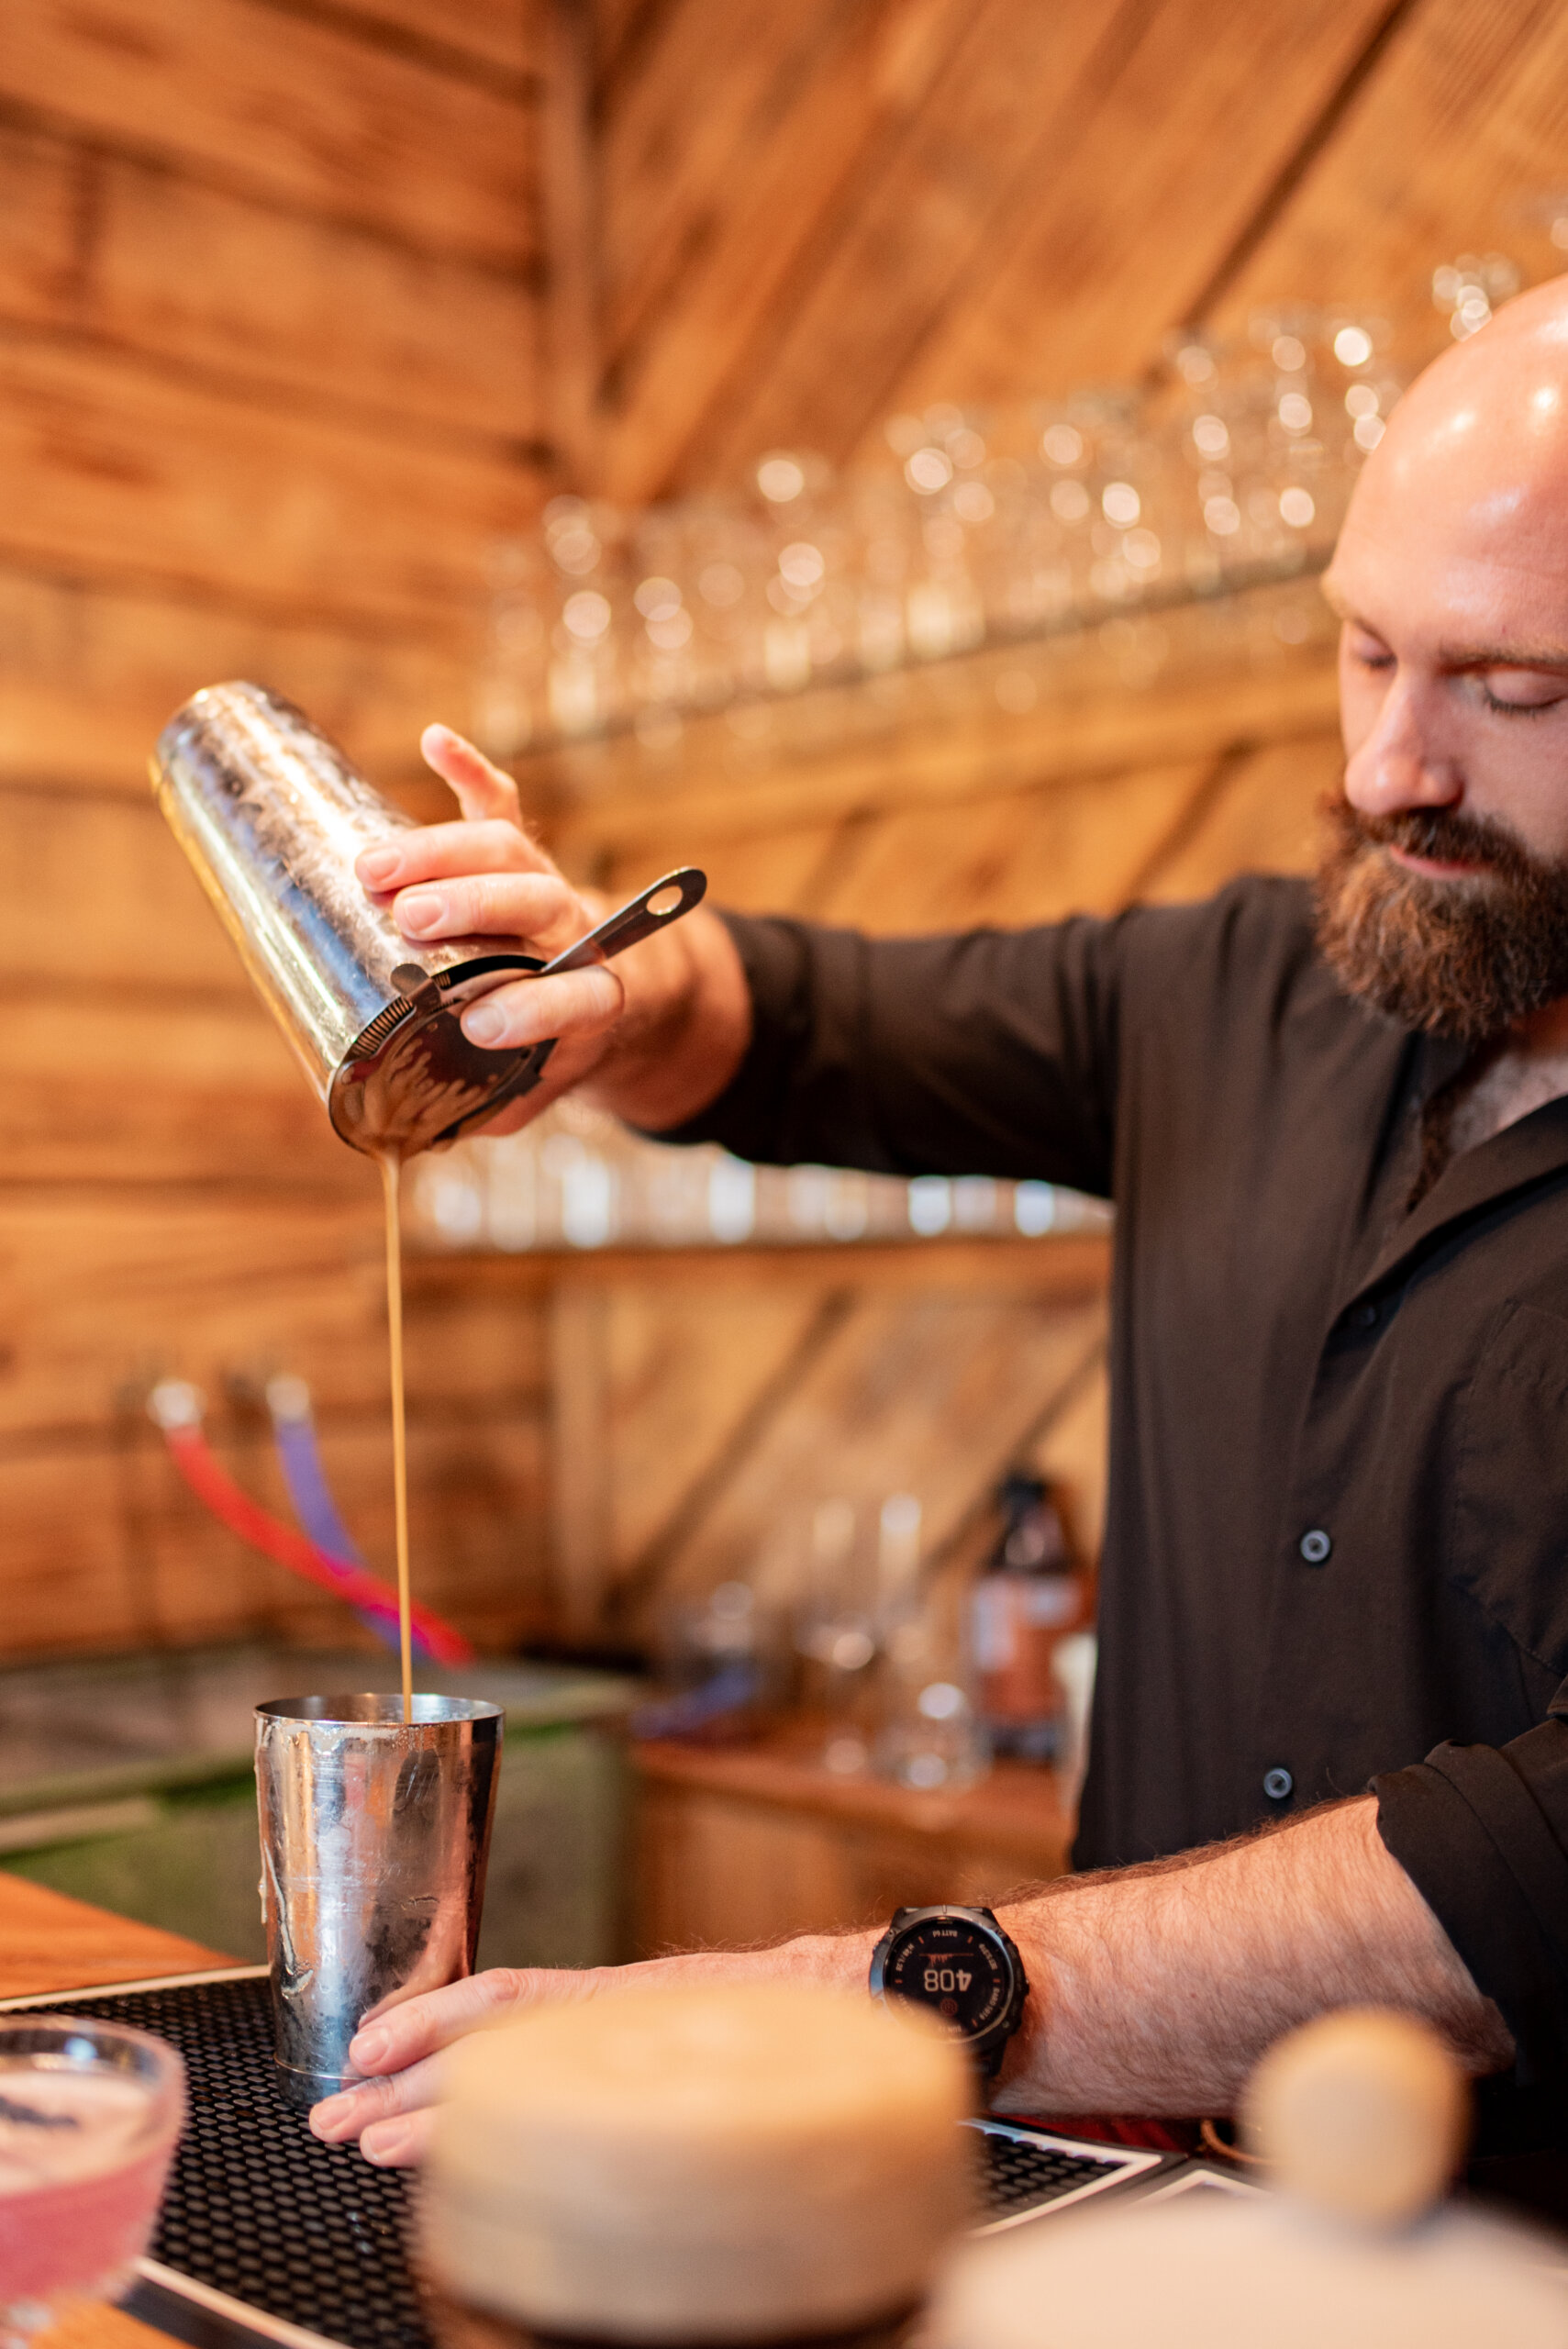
(1503, 656)
(1551, 657)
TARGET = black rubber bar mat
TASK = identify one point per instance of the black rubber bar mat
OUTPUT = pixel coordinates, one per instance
(311, 2236)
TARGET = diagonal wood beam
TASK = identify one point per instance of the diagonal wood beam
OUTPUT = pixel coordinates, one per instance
(1190, 816)
(568, 169)
(1055, 1408)
(1299, 163)
(659, 1553)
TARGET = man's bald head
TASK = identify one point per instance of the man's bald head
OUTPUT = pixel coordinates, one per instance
(1473, 470)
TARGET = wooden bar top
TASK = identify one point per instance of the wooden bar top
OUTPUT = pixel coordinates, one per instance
(48, 1942)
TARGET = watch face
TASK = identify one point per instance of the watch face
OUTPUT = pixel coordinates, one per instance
(953, 1966)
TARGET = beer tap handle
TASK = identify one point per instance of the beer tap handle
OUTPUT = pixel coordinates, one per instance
(652, 908)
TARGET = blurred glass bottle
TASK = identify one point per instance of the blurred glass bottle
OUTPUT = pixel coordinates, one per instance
(927, 1736)
(1032, 1595)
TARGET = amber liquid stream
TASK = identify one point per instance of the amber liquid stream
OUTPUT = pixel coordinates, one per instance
(391, 1168)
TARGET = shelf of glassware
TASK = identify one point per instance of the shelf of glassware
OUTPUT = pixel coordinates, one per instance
(576, 1186)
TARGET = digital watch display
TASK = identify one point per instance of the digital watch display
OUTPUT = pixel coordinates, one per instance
(960, 1965)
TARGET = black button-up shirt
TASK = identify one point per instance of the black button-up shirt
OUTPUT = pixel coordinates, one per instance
(1338, 1524)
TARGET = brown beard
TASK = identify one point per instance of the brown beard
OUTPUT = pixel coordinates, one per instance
(1463, 958)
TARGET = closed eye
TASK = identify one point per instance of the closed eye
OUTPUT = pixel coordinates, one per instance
(1516, 690)
(1505, 708)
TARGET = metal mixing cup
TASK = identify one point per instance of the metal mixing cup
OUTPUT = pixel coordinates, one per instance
(374, 1840)
(273, 816)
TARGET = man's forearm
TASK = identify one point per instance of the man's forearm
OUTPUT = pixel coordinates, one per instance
(1156, 1989)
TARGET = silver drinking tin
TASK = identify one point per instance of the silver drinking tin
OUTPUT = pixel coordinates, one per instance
(374, 1840)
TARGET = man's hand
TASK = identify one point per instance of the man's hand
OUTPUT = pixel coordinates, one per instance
(398, 2046)
(654, 1036)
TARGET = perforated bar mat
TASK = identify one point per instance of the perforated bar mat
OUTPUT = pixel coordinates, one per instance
(310, 2234)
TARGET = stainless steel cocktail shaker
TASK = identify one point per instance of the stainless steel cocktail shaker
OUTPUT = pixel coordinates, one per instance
(271, 814)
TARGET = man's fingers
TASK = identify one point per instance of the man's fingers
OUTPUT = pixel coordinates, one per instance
(339, 2120)
(578, 1003)
(390, 2038)
(399, 2145)
(397, 2049)
(481, 790)
(536, 906)
(435, 851)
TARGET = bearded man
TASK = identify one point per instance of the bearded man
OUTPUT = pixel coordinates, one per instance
(1329, 1756)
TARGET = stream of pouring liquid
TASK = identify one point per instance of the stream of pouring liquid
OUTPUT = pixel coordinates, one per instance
(391, 1168)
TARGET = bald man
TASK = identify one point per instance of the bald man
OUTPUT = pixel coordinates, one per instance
(1335, 1124)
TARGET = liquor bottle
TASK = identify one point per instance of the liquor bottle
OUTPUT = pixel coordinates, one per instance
(1030, 1594)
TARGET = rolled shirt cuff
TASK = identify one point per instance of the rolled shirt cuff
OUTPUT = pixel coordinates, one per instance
(1474, 1828)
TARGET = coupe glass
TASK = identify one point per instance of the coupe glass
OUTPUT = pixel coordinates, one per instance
(90, 2114)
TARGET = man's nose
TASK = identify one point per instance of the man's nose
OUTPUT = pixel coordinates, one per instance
(1400, 765)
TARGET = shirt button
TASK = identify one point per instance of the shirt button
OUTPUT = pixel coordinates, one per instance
(1315, 1545)
(1277, 1784)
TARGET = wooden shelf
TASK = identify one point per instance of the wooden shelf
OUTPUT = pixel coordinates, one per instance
(749, 1844)
(1014, 1808)
(1077, 1264)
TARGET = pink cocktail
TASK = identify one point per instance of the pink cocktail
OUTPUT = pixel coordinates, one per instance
(90, 2114)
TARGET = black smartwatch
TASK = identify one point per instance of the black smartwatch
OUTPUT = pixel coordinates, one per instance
(960, 1964)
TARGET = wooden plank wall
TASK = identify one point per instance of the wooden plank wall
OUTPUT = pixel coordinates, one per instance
(813, 218)
(301, 302)
(269, 383)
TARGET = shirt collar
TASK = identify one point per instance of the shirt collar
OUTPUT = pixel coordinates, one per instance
(1530, 1150)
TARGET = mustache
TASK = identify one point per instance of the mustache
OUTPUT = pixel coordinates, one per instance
(1443, 834)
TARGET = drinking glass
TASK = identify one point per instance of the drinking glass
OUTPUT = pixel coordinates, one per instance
(836, 1630)
(90, 2114)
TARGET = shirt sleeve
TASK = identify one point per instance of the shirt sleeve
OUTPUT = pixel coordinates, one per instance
(989, 1053)
(1481, 1830)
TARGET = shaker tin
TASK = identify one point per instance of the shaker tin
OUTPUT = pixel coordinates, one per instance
(273, 816)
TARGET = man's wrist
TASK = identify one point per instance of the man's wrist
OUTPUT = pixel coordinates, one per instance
(840, 1960)
(684, 1029)
(1019, 2082)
